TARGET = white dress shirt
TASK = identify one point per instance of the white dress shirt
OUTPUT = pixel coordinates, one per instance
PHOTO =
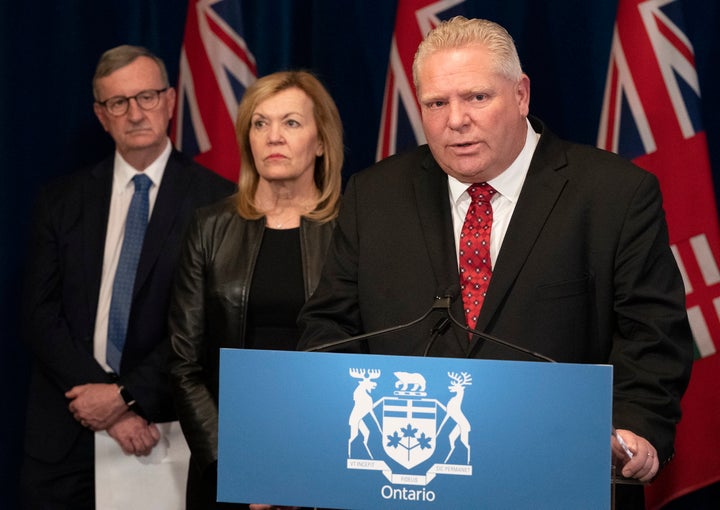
(123, 189)
(507, 185)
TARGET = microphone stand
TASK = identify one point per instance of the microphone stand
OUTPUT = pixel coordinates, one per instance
(440, 303)
(438, 329)
(499, 341)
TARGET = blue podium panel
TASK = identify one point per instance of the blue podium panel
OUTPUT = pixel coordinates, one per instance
(358, 431)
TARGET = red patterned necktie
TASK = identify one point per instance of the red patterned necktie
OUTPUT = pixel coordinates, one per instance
(475, 263)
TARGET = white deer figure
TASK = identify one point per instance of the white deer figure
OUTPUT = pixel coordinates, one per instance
(454, 411)
(363, 406)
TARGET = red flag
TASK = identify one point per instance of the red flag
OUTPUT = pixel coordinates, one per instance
(651, 114)
(215, 69)
(400, 124)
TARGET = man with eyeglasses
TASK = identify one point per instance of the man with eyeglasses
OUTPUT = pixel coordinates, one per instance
(103, 252)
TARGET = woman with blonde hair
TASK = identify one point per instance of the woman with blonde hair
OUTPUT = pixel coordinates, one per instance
(250, 262)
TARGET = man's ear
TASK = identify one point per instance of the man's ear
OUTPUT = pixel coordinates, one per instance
(100, 113)
(522, 92)
(171, 97)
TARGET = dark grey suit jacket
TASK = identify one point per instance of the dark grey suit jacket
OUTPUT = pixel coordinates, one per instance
(63, 284)
(584, 275)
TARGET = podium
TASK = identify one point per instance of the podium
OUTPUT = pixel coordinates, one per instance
(354, 431)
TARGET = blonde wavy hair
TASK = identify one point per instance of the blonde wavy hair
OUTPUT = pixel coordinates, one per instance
(328, 167)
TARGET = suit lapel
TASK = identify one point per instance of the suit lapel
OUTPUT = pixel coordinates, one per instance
(543, 185)
(168, 206)
(431, 192)
(96, 195)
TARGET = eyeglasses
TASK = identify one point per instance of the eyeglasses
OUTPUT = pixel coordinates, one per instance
(146, 100)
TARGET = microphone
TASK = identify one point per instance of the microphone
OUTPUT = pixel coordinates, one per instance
(440, 303)
(496, 340)
(441, 326)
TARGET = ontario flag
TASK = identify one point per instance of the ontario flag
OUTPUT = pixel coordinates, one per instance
(215, 69)
(400, 124)
(651, 114)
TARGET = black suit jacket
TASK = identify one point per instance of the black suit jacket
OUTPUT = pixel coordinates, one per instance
(63, 284)
(584, 275)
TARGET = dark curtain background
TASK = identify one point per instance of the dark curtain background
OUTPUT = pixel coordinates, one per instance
(47, 128)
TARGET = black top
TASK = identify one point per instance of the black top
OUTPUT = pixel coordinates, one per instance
(276, 293)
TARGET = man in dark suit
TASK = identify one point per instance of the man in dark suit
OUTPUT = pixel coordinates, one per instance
(581, 270)
(78, 386)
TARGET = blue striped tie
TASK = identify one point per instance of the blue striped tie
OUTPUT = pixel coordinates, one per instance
(135, 225)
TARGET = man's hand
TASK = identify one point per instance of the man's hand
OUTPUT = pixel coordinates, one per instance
(134, 435)
(643, 465)
(96, 406)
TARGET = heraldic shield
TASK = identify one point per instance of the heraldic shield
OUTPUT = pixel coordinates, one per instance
(409, 429)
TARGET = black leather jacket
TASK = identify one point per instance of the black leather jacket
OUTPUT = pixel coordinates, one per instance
(209, 308)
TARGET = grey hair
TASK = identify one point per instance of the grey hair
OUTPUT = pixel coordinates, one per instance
(120, 56)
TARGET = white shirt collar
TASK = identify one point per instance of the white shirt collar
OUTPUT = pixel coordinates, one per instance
(123, 172)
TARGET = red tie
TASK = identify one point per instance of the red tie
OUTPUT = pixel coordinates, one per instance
(475, 263)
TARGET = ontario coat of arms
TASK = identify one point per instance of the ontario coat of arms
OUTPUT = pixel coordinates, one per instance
(410, 424)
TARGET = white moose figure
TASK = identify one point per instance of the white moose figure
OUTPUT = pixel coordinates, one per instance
(363, 406)
(454, 411)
